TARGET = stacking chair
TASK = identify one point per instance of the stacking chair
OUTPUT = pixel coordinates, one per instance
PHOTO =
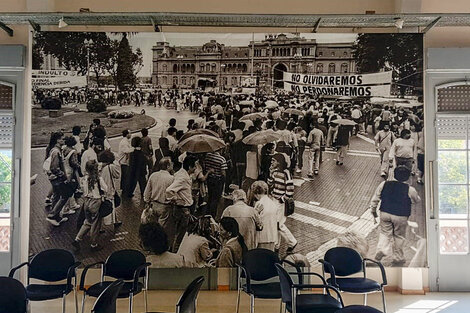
(51, 265)
(187, 303)
(307, 302)
(258, 266)
(342, 261)
(358, 309)
(128, 265)
(13, 298)
(106, 301)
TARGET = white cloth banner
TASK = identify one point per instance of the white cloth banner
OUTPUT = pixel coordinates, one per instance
(349, 91)
(339, 80)
(59, 82)
(53, 73)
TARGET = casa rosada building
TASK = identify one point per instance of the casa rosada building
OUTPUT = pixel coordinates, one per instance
(226, 67)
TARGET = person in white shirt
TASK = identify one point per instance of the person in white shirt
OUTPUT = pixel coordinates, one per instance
(268, 213)
(89, 154)
(383, 142)
(403, 150)
(124, 152)
(171, 138)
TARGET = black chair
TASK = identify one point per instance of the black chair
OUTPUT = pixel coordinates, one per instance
(128, 265)
(106, 302)
(13, 298)
(187, 301)
(51, 265)
(308, 302)
(358, 309)
(342, 261)
(258, 266)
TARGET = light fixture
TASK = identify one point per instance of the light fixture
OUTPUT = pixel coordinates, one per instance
(399, 22)
(62, 23)
(156, 28)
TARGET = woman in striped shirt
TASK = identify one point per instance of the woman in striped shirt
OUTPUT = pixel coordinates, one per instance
(281, 187)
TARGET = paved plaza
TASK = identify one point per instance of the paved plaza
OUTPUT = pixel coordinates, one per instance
(327, 206)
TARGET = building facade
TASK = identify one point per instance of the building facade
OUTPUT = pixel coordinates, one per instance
(227, 67)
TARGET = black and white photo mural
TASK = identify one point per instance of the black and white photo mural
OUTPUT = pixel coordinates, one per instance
(197, 147)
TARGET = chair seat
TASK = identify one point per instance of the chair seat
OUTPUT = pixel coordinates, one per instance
(356, 284)
(358, 309)
(37, 292)
(96, 289)
(311, 303)
(265, 291)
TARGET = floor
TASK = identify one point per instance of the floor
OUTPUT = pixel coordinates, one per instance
(224, 302)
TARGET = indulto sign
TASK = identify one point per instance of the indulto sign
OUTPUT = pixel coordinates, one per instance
(53, 73)
(59, 82)
(349, 91)
(339, 80)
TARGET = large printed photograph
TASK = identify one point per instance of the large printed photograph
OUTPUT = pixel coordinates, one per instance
(195, 148)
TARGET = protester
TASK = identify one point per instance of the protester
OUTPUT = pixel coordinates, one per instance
(268, 214)
(315, 140)
(137, 167)
(234, 247)
(124, 152)
(147, 149)
(110, 172)
(195, 246)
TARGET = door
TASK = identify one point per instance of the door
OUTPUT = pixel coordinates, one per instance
(7, 178)
(451, 171)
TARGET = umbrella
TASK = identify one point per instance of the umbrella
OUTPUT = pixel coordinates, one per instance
(271, 104)
(344, 122)
(261, 137)
(253, 116)
(247, 102)
(294, 111)
(200, 131)
(201, 143)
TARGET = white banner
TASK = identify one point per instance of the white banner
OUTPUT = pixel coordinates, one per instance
(53, 73)
(348, 91)
(59, 82)
(339, 80)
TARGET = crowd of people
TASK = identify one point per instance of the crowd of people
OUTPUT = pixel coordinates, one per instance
(208, 209)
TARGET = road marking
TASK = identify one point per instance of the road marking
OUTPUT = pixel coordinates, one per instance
(327, 212)
(363, 226)
(366, 152)
(298, 182)
(358, 154)
(366, 138)
(314, 203)
(314, 222)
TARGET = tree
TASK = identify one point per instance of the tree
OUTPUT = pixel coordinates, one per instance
(401, 53)
(125, 60)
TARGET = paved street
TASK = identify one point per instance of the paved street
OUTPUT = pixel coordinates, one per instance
(334, 202)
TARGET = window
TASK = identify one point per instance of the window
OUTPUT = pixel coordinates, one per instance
(175, 68)
(165, 67)
(202, 67)
(344, 68)
(6, 164)
(183, 80)
(333, 53)
(331, 68)
(175, 80)
(319, 68)
(320, 53)
(245, 68)
(165, 80)
(214, 67)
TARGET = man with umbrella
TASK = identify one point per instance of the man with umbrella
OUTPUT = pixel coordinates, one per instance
(341, 139)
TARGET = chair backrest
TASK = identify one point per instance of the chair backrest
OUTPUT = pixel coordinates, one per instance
(286, 284)
(106, 301)
(346, 261)
(187, 301)
(12, 296)
(123, 263)
(260, 263)
(51, 265)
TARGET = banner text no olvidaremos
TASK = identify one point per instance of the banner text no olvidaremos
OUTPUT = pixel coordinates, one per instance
(339, 80)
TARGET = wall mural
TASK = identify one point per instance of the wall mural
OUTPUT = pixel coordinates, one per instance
(196, 147)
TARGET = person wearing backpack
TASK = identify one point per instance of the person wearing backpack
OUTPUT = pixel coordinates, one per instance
(54, 167)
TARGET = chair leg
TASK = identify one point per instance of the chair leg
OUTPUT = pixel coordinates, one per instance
(383, 300)
(252, 304)
(131, 298)
(365, 299)
(83, 302)
(238, 300)
(63, 303)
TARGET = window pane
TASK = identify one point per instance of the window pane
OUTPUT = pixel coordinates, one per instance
(452, 167)
(453, 236)
(451, 144)
(5, 200)
(452, 200)
(5, 165)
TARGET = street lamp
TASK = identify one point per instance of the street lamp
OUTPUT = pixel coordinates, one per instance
(179, 57)
(88, 43)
